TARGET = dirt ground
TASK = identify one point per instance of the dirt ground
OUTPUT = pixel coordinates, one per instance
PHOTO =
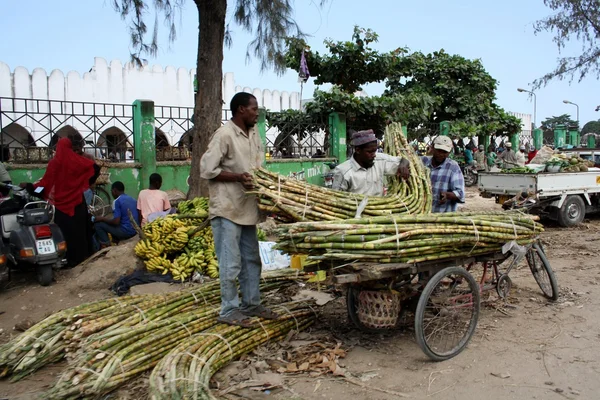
(525, 348)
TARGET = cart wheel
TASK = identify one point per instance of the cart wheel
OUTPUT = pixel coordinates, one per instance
(503, 286)
(352, 306)
(542, 272)
(447, 313)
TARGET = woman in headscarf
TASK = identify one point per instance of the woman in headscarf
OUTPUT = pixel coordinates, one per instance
(68, 175)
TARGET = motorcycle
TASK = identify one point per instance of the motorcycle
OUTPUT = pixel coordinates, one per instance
(328, 177)
(30, 235)
(469, 173)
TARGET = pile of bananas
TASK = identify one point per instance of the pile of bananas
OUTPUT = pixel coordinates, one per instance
(197, 206)
(175, 244)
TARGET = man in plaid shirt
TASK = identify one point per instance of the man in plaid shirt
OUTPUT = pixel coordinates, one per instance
(447, 181)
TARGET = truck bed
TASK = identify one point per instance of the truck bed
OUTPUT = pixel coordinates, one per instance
(546, 184)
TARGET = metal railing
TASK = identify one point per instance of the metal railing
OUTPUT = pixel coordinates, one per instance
(174, 131)
(296, 137)
(30, 128)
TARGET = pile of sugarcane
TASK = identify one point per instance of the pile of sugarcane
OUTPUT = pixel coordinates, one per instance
(292, 200)
(185, 372)
(409, 238)
(109, 342)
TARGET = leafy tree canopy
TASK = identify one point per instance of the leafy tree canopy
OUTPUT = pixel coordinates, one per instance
(420, 88)
(572, 20)
(551, 122)
(591, 127)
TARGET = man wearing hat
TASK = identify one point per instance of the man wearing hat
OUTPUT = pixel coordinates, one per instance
(480, 158)
(365, 171)
(521, 156)
(447, 181)
(509, 157)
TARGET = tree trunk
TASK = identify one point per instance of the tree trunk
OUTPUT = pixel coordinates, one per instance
(209, 73)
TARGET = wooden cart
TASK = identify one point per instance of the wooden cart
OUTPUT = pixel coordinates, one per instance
(444, 296)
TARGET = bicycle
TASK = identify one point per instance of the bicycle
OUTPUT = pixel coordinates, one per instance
(100, 203)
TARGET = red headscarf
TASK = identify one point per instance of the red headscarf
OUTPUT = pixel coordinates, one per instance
(67, 177)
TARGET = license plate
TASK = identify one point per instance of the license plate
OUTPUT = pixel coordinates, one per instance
(45, 246)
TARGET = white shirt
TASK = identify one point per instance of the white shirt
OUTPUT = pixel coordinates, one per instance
(349, 176)
(521, 158)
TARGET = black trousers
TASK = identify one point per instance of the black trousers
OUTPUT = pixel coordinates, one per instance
(77, 231)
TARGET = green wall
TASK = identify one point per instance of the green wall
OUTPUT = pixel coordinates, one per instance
(175, 173)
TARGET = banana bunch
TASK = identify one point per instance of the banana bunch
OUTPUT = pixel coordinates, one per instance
(202, 246)
(198, 206)
(147, 249)
(176, 240)
(159, 264)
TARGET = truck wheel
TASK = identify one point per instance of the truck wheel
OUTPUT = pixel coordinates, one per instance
(572, 211)
(44, 274)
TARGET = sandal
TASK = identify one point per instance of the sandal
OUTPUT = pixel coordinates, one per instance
(236, 318)
(261, 312)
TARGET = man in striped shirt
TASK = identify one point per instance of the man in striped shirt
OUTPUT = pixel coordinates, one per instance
(447, 181)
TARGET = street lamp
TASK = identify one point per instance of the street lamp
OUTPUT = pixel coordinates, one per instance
(570, 102)
(534, 102)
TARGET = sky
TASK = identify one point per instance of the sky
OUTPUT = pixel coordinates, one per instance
(68, 34)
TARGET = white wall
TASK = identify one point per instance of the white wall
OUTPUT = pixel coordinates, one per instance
(116, 83)
(525, 122)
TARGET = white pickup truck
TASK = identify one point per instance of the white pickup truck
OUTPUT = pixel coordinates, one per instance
(565, 196)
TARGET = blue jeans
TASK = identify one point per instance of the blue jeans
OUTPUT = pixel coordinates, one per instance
(239, 257)
(103, 229)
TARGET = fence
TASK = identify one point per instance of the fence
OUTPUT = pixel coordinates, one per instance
(31, 128)
(296, 136)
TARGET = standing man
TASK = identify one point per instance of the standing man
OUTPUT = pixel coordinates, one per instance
(468, 154)
(480, 159)
(447, 181)
(491, 158)
(509, 157)
(233, 152)
(119, 226)
(365, 171)
(521, 156)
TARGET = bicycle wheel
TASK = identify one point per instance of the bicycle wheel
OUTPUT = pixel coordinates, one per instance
(542, 272)
(447, 313)
(100, 204)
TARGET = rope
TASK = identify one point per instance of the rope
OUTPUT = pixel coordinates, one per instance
(264, 329)
(514, 227)
(292, 315)
(476, 236)
(305, 201)
(141, 312)
(397, 236)
(223, 339)
(185, 327)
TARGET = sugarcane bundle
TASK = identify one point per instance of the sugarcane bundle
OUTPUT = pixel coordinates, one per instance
(184, 373)
(46, 342)
(112, 341)
(293, 200)
(408, 238)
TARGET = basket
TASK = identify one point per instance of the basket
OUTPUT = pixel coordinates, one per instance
(378, 309)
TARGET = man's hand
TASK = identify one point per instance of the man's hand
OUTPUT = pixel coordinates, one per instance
(246, 180)
(23, 185)
(447, 196)
(404, 169)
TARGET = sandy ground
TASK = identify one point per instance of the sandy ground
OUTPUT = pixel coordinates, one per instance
(527, 348)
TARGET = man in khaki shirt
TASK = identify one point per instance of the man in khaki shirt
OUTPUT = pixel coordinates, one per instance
(234, 151)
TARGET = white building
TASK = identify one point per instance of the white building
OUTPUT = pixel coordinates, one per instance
(86, 103)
